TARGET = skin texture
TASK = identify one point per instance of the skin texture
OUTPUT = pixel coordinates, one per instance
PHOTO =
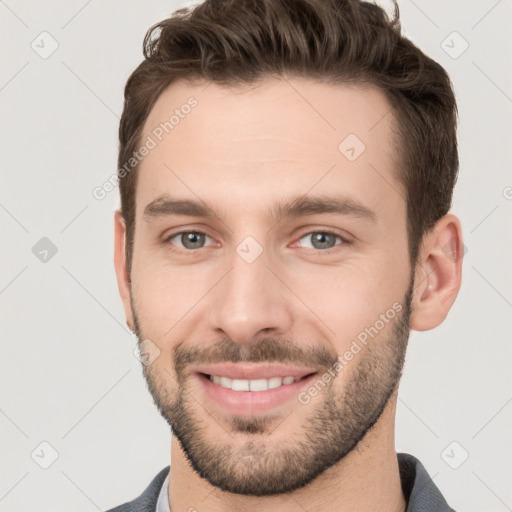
(241, 151)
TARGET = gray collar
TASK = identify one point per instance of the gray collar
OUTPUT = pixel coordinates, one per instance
(420, 491)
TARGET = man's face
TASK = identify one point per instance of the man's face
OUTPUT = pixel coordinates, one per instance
(303, 263)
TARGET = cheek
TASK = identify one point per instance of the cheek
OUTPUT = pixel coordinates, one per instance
(355, 297)
(165, 294)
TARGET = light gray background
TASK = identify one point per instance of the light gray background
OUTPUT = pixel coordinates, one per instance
(68, 373)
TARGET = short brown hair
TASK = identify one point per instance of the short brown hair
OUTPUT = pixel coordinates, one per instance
(234, 42)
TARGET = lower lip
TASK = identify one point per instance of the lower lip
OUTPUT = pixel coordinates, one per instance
(253, 401)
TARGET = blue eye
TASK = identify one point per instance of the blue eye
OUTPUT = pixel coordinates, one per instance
(194, 240)
(189, 239)
(321, 240)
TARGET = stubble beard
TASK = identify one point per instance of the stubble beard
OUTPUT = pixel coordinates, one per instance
(247, 457)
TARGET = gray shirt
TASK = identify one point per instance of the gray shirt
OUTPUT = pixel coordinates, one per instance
(421, 493)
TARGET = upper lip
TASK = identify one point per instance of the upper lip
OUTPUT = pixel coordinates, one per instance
(253, 372)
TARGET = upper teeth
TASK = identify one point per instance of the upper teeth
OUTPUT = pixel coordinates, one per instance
(252, 385)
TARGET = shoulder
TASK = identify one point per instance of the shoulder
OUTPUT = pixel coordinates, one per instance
(419, 489)
(146, 502)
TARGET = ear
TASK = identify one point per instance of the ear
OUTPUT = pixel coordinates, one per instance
(123, 278)
(438, 274)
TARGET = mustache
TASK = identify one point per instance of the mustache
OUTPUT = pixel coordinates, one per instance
(265, 350)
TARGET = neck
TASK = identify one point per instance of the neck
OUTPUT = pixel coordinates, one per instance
(366, 479)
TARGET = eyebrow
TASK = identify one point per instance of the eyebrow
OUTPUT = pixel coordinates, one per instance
(299, 206)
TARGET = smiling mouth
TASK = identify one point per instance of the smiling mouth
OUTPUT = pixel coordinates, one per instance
(247, 397)
(257, 385)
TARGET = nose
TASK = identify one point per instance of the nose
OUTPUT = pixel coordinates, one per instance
(251, 300)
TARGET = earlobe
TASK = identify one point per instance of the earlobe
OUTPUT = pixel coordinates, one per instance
(123, 278)
(438, 274)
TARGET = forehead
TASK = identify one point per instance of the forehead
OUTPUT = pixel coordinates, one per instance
(251, 145)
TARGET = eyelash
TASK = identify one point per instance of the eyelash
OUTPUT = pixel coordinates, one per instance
(169, 245)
